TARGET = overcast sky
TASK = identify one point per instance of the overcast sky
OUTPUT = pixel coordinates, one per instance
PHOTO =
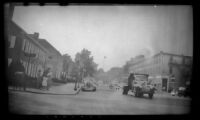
(117, 32)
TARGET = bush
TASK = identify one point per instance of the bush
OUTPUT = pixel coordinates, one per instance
(31, 82)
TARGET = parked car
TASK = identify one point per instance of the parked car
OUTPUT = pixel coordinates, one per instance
(88, 86)
(183, 91)
(173, 92)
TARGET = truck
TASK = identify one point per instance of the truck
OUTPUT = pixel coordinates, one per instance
(140, 86)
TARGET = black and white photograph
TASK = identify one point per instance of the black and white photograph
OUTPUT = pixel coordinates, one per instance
(83, 59)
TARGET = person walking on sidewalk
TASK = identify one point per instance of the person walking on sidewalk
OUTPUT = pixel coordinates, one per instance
(39, 79)
(45, 78)
(49, 75)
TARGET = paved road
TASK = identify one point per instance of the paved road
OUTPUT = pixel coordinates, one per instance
(103, 101)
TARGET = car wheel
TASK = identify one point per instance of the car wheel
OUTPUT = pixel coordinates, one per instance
(125, 90)
(137, 92)
(140, 94)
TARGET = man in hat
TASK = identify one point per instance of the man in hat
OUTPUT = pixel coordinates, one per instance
(131, 78)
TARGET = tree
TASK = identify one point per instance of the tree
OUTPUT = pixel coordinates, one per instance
(100, 70)
(85, 62)
(67, 62)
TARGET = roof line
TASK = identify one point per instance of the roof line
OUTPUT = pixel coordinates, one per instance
(50, 46)
(165, 53)
(27, 35)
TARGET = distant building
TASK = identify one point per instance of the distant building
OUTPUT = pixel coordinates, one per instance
(135, 60)
(166, 70)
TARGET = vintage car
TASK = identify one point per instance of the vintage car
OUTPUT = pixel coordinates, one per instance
(88, 87)
(183, 91)
(140, 86)
(89, 84)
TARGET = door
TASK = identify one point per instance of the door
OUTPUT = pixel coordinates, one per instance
(164, 84)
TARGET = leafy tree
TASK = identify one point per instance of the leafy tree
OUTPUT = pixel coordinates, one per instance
(67, 62)
(85, 62)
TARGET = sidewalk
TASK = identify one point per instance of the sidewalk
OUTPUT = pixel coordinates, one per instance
(66, 89)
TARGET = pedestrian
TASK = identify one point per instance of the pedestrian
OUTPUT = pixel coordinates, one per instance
(49, 75)
(44, 82)
(39, 79)
(45, 78)
(131, 78)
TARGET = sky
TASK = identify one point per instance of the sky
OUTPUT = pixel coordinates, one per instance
(114, 34)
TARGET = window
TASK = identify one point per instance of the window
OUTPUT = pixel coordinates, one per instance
(31, 47)
(9, 61)
(39, 54)
(25, 67)
(27, 47)
(23, 44)
(12, 41)
(34, 70)
(29, 69)
(30, 72)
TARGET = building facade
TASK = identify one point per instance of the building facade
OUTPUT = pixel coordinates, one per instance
(167, 71)
(54, 59)
(28, 48)
(21, 44)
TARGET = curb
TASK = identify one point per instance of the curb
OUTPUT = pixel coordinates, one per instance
(29, 91)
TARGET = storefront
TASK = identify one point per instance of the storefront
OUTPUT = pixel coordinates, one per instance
(161, 82)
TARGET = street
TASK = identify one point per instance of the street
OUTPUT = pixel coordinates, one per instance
(102, 102)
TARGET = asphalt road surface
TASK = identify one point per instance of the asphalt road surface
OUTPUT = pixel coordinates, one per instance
(102, 102)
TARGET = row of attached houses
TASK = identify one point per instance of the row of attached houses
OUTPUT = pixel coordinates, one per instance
(45, 55)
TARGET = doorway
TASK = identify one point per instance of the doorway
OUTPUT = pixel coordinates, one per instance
(164, 84)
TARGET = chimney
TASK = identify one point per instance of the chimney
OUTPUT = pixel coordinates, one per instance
(36, 35)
